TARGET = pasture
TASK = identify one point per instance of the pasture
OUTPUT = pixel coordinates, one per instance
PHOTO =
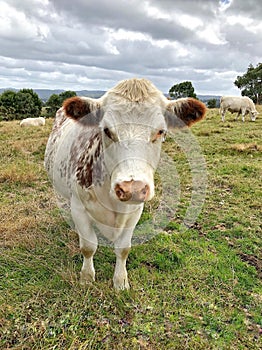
(196, 289)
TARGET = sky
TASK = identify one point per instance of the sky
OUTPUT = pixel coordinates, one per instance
(91, 45)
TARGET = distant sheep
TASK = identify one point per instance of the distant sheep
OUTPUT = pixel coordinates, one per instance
(32, 122)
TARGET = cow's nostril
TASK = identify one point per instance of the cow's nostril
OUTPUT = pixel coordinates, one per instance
(122, 193)
(144, 191)
(134, 190)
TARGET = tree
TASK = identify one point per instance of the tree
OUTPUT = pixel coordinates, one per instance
(55, 101)
(7, 99)
(184, 89)
(212, 103)
(24, 104)
(28, 104)
(7, 103)
(3, 113)
(250, 83)
(53, 104)
(36, 104)
(19, 105)
(66, 94)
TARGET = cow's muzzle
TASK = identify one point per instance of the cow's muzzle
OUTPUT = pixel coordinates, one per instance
(133, 191)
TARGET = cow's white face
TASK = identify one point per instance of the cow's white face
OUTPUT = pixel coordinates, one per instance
(133, 119)
(254, 115)
(132, 136)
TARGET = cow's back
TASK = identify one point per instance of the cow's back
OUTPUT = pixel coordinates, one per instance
(236, 103)
(230, 102)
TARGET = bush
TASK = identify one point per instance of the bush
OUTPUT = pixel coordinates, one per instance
(19, 105)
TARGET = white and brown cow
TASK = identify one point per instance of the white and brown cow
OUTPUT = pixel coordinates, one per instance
(240, 105)
(101, 157)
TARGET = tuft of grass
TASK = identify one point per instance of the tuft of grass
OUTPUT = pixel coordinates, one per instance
(195, 289)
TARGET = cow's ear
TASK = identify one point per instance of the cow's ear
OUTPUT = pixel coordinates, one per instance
(83, 109)
(184, 112)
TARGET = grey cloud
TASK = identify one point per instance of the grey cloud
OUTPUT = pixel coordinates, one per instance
(250, 8)
(121, 14)
(243, 40)
(202, 8)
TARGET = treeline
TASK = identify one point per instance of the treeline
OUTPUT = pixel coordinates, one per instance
(26, 103)
(250, 84)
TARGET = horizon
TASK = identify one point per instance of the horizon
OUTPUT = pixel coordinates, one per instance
(88, 90)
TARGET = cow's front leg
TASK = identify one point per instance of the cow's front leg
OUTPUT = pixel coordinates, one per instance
(87, 240)
(88, 250)
(122, 248)
(120, 275)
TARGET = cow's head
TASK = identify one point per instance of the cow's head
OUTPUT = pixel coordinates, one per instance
(254, 114)
(133, 118)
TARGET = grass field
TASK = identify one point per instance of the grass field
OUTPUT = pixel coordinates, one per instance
(197, 289)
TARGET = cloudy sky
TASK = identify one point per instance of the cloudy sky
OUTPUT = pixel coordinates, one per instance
(86, 44)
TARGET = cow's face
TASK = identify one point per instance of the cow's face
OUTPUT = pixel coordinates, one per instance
(132, 135)
(254, 115)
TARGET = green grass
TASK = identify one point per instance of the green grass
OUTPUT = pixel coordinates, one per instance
(195, 289)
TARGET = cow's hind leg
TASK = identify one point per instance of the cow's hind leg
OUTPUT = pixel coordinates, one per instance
(87, 240)
(238, 114)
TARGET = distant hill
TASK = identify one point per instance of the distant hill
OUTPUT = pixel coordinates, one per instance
(44, 94)
(205, 98)
(91, 93)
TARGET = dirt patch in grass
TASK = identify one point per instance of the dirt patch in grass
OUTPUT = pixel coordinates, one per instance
(253, 261)
(209, 132)
(21, 173)
(246, 147)
(22, 209)
(14, 232)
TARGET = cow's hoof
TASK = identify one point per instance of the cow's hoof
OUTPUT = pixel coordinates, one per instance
(86, 277)
(121, 284)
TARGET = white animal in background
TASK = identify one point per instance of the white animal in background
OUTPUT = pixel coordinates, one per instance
(33, 122)
(240, 105)
(101, 157)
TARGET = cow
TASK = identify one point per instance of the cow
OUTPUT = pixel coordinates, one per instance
(32, 122)
(101, 157)
(240, 105)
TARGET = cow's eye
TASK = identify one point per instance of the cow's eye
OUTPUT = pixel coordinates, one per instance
(158, 135)
(108, 133)
(161, 132)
